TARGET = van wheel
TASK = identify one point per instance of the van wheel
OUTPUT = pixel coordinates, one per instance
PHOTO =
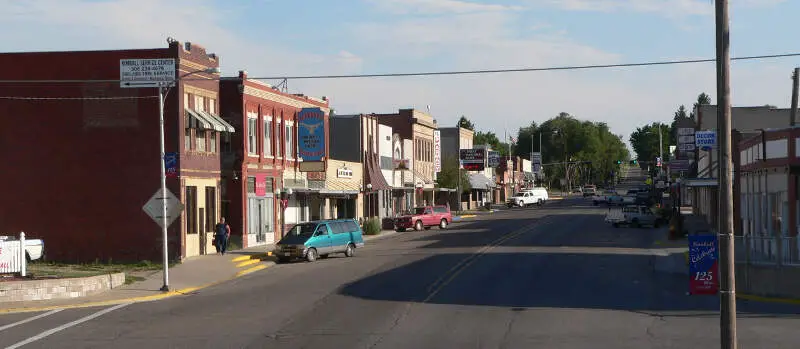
(311, 255)
(418, 226)
(443, 224)
(350, 251)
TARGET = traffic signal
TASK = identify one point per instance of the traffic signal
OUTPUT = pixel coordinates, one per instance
(633, 162)
(619, 162)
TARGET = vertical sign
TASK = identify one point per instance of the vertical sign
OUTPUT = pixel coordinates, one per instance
(261, 185)
(437, 151)
(703, 265)
(311, 138)
(493, 159)
(171, 164)
(536, 162)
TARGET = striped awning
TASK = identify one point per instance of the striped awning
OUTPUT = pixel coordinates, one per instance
(219, 123)
(195, 120)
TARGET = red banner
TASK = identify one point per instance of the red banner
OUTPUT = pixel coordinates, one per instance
(261, 185)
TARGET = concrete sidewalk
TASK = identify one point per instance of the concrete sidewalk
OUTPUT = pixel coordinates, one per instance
(192, 274)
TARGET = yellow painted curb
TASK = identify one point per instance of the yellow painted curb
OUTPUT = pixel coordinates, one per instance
(248, 262)
(251, 270)
(269, 253)
(140, 299)
(468, 216)
(755, 298)
(240, 258)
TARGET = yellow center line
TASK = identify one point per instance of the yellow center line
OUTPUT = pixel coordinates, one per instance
(438, 285)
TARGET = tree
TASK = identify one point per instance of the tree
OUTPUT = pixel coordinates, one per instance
(567, 139)
(645, 142)
(448, 177)
(463, 122)
(490, 139)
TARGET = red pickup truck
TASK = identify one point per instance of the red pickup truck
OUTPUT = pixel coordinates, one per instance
(424, 217)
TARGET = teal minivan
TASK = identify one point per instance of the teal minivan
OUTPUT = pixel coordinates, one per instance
(313, 240)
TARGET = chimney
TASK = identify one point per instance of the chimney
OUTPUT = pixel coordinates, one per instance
(243, 74)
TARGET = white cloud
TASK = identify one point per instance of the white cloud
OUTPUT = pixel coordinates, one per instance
(667, 8)
(431, 7)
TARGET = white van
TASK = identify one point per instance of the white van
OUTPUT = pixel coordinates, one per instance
(534, 196)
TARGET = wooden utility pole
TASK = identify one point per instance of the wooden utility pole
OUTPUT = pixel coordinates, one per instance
(727, 285)
(795, 83)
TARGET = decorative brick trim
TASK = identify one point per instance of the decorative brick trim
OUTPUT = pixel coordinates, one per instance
(36, 290)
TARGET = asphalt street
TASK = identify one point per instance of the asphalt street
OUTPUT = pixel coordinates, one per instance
(548, 277)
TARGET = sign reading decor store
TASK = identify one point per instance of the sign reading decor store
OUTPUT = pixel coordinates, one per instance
(344, 172)
(311, 134)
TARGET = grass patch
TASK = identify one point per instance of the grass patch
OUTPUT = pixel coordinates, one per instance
(133, 271)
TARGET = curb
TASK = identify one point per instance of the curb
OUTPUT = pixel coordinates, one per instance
(763, 299)
(141, 299)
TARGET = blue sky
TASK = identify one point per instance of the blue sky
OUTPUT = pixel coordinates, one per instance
(272, 37)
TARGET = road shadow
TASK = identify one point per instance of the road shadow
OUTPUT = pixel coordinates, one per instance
(563, 230)
(547, 280)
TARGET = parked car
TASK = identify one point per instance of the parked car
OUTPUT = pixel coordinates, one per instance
(634, 215)
(589, 190)
(313, 240)
(424, 218)
(533, 196)
(34, 248)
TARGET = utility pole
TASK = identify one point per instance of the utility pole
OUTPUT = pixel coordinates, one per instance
(164, 236)
(727, 288)
(795, 85)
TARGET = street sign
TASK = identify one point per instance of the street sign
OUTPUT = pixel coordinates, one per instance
(493, 159)
(703, 265)
(536, 162)
(705, 140)
(153, 207)
(437, 151)
(140, 73)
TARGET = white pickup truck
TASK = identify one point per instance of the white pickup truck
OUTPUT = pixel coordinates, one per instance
(34, 248)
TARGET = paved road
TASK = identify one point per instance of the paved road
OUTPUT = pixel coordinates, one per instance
(550, 277)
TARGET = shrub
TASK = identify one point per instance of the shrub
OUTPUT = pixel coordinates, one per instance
(372, 226)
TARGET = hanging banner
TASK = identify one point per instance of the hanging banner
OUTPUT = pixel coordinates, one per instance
(437, 151)
(703, 265)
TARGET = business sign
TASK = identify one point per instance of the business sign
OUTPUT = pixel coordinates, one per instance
(311, 134)
(493, 159)
(261, 185)
(139, 73)
(171, 164)
(703, 265)
(473, 159)
(679, 165)
(344, 172)
(437, 151)
(536, 162)
(705, 140)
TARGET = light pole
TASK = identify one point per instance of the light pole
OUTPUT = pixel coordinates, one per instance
(163, 89)
(369, 200)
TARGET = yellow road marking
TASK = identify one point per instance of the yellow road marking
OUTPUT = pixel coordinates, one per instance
(240, 258)
(755, 298)
(251, 270)
(248, 262)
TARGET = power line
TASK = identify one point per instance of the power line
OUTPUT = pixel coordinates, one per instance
(23, 98)
(434, 73)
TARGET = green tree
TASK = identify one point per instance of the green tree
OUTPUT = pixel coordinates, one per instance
(463, 122)
(448, 177)
(645, 142)
(490, 139)
(568, 139)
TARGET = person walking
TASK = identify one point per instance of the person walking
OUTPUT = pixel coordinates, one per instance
(222, 233)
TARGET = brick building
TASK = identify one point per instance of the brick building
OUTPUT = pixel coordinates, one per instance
(82, 162)
(261, 162)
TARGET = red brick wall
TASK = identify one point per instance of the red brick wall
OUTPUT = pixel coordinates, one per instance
(78, 171)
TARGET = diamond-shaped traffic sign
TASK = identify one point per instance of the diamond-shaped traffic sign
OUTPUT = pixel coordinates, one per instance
(154, 209)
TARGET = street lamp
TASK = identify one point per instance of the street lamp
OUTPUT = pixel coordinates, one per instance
(163, 89)
(369, 200)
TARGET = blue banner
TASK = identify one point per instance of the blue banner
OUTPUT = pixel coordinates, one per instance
(171, 164)
(703, 266)
(311, 134)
